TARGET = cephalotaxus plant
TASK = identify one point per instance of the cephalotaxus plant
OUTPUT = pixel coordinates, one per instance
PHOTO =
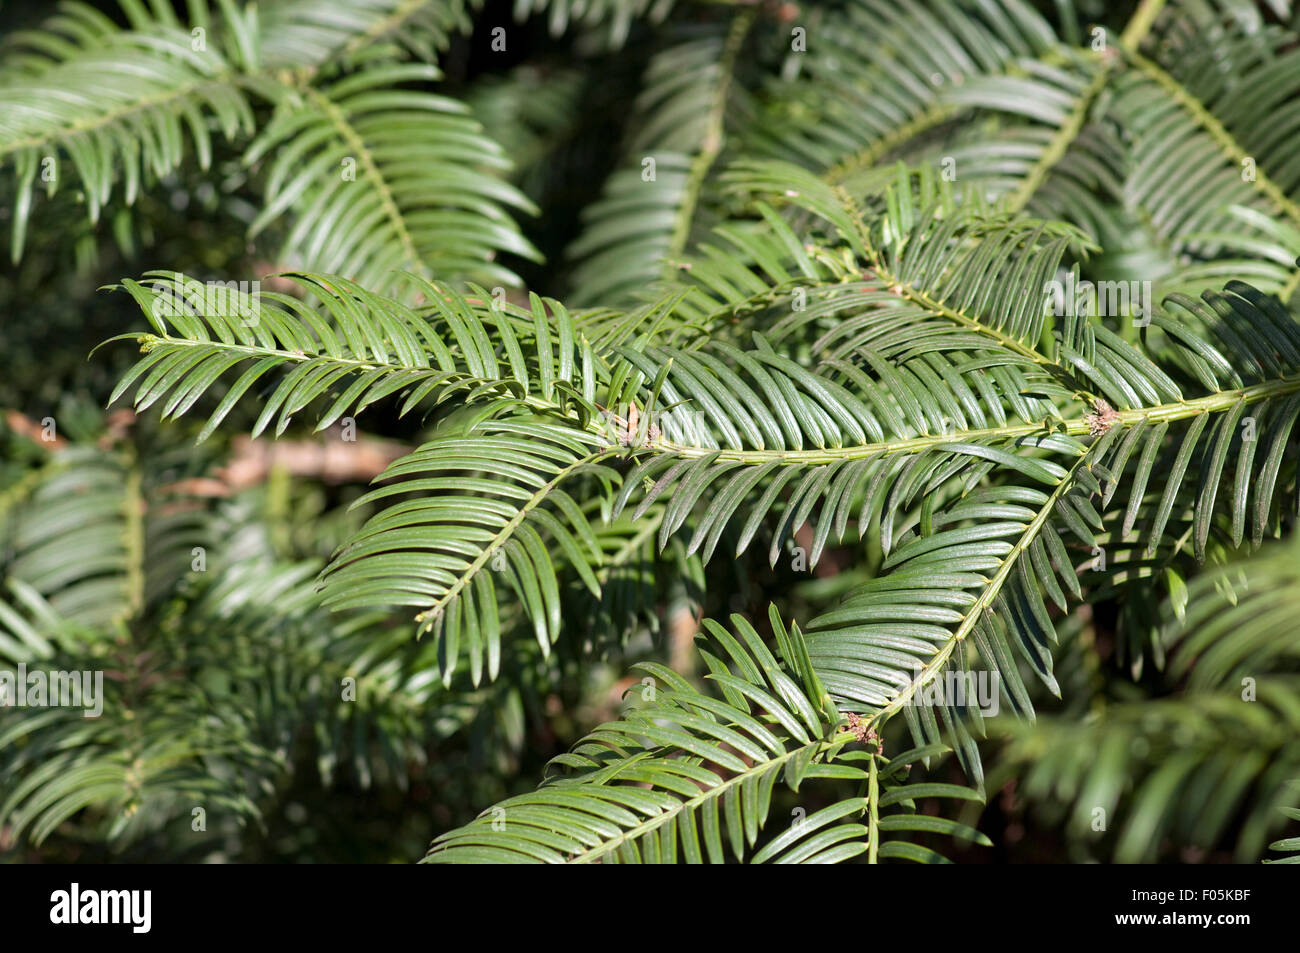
(990, 309)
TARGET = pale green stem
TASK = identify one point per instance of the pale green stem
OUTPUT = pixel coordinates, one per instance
(1078, 426)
